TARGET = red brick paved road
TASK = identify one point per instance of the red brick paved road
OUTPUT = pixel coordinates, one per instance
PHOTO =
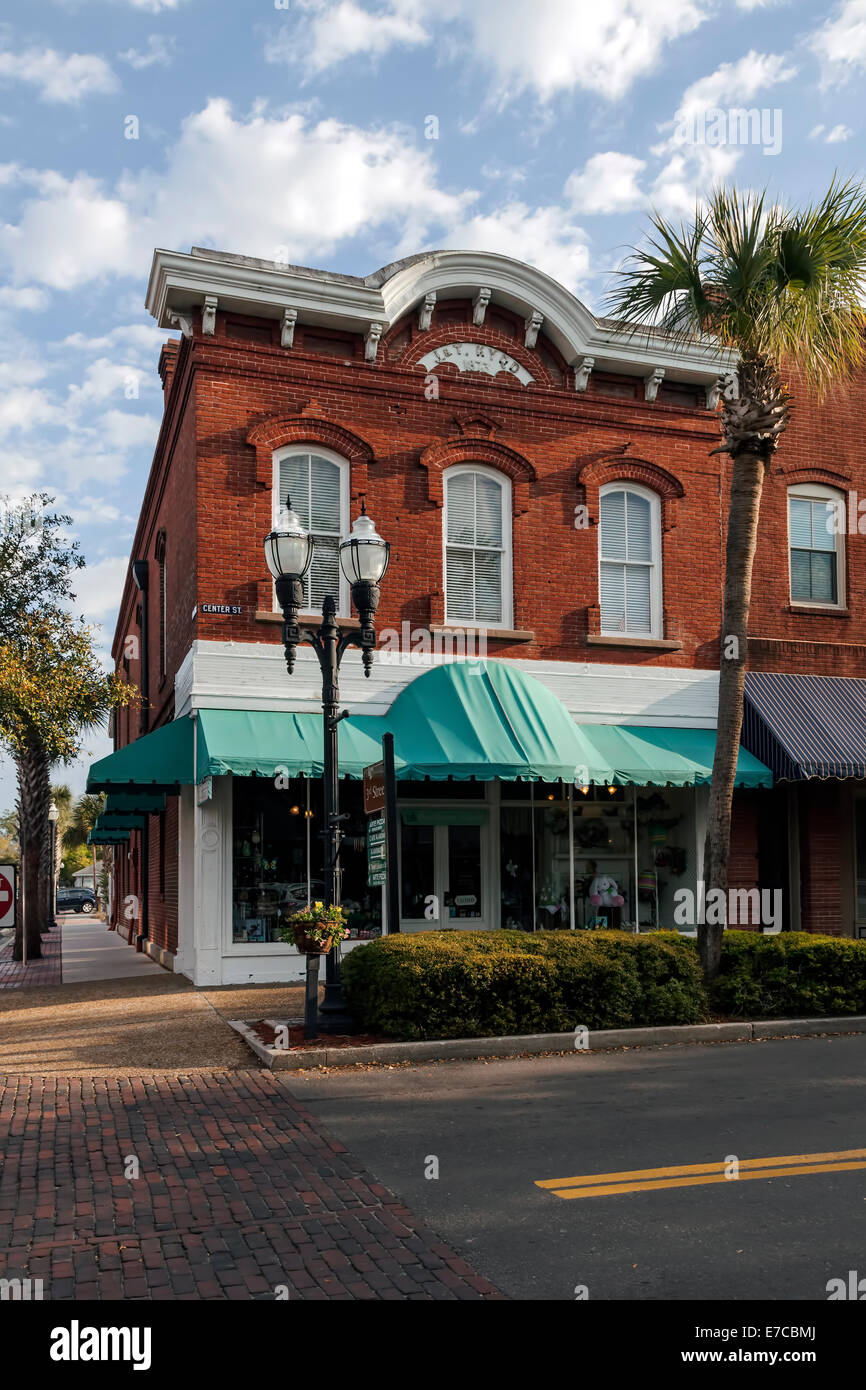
(240, 1191)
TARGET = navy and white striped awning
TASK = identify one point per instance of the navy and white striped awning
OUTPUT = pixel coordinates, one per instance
(806, 726)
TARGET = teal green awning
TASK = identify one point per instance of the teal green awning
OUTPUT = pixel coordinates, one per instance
(268, 743)
(159, 761)
(134, 803)
(127, 822)
(475, 719)
(657, 757)
(483, 719)
(107, 837)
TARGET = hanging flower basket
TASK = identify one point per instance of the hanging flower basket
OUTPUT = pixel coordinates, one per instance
(315, 929)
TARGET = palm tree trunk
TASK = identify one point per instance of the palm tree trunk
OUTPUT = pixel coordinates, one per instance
(46, 859)
(747, 481)
(34, 798)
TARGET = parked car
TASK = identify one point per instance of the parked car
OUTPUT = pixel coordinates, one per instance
(76, 900)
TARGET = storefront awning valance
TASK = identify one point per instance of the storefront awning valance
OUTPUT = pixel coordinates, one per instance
(806, 726)
(136, 802)
(658, 757)
(107, 837)
(127, 822)
(159, 761)
(272, 743)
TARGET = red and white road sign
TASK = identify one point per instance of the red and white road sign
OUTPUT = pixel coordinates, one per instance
(7, 895)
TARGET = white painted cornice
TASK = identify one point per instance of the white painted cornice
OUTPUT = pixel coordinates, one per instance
(180, 282)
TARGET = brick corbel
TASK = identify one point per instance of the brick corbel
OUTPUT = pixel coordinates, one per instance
(273, 433)
(445, 454)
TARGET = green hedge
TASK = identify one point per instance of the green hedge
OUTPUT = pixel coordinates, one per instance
(463, 984)
(792, 975)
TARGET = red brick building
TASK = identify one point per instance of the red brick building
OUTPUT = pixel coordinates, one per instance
(546, 482)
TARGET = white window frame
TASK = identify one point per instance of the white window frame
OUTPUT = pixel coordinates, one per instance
(344, 607)
(655, 566)
(819, 492)
(507, 620)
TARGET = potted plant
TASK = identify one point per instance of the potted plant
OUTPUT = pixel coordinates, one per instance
(315, 928)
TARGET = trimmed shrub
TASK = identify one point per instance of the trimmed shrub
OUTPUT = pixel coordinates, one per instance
(459, 984)
(792, 975)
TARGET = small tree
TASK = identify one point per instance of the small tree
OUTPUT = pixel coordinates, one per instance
(52, 690)
(784, 291)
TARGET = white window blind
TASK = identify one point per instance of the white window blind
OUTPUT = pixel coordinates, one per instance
(627, 565)
(814, 564)
(314, 484)
(474, 549)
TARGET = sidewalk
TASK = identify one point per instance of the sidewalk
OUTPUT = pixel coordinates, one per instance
(207, 1186)
(76, 950)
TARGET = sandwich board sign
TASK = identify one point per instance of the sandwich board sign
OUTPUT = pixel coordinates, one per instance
(7, 895)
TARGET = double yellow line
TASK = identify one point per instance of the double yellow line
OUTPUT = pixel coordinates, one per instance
(699, 1174)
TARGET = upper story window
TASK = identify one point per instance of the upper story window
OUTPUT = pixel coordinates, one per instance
(816, 544)
(477, 527)
(318, 483)
(629, 554)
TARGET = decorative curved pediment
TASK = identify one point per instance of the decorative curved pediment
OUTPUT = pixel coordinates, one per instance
(612, 466)
(276, 431)
(479, 449)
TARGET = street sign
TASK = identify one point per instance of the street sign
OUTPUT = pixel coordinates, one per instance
(377, 862)
(374, 788)
(7, 895)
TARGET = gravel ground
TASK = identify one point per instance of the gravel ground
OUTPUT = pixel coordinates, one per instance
(134, 1026)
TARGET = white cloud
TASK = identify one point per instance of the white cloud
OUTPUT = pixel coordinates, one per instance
(27, 298)
(125, 430)
(840, 44)
(159, 50)
(545, 237)
(98, 587)
(548, 47)
(141, 341)
(734, 83)
(838, 134)
(608, 183)
(60, 79)
(267, 186)
(102, 380)
(335, 32)
(555, 46)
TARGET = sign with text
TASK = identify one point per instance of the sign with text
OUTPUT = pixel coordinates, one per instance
(232, 609)
(377, 862)
(7, 895)
(374, 789)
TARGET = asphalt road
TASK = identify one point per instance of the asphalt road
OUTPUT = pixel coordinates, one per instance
(497, 1128)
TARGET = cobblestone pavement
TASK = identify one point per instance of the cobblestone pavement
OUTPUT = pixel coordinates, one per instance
(240, 1194)
(45, 971)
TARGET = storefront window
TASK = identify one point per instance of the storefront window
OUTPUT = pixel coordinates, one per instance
(463, 900)
(418, 873)
(277, 858)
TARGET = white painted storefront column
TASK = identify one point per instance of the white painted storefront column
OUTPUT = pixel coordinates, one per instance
(213, 832)
(184, 961)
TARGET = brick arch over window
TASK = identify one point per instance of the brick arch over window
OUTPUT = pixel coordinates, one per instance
(613, 467)
(269, 435)
(438, 457)
(799, 473)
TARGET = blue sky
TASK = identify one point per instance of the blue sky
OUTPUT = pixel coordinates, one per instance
(303, 129)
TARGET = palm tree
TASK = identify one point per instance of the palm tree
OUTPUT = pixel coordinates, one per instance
(783, 291)
(53, 689)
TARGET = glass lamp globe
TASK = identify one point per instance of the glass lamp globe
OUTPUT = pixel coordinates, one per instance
(288, 548)
(364, 555)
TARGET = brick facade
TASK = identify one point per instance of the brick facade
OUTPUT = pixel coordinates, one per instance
(235, 395)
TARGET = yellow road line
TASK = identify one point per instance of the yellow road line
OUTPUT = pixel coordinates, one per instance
(709, 1168)
(611, 1189)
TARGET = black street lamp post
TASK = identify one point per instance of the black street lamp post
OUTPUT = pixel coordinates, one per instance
(364, 559)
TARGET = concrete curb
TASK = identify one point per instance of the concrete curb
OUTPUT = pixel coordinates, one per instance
(450, 1049)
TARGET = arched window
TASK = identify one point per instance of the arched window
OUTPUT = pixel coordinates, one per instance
(629, 555)
(477, 532)
(317, 481)
(816, 545)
